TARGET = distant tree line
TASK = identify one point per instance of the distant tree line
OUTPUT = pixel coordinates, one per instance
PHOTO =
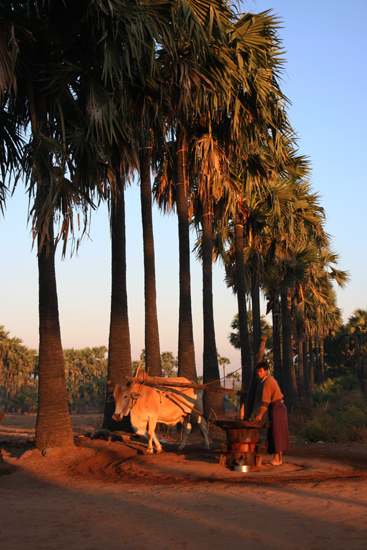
(85, 374)
(86, 369)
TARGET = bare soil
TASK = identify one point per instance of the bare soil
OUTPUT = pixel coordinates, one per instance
(103, 493)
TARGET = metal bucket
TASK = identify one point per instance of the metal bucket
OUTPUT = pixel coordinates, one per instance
(241, 468)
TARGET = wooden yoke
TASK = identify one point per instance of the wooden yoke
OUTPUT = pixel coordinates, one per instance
(160, 381)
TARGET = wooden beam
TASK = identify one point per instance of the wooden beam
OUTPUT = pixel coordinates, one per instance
(160, 381)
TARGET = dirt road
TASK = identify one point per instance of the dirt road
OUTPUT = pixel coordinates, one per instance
(111, 495)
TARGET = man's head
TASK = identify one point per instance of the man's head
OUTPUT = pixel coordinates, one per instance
(262, 369)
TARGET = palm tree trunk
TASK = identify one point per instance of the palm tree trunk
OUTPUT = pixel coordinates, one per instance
(186, 349)
(289, 376)
(361, 372)
(277, 354)
(152, 349)
(318, 377)
(119, 347)
(322, 360)
(256, 315)
(53, 427)
(306, 367)
(301, 375)
(212, 401)
(242, 310)
(251, 396)
(312, 363)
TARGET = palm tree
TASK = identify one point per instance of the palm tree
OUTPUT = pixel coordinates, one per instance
(52, 110)
(222, 362)
(103, 148)
(152, 348)
(169, 364)
(259, 128)
(88, 36)
(210, 185)
(196, 74)
(266, 329)
(322, 316)
(119, 355)
(109, 94)
(36, 102)
(251, 115)
(357, 330)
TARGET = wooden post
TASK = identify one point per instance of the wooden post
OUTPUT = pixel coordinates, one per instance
(253, 384)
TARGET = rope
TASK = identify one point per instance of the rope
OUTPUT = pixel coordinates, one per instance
(221, 379)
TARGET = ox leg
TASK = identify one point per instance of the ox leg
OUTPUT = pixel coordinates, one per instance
(186, 432)
(158, 446)
(204, 430)
(150, 449)
(152, 437)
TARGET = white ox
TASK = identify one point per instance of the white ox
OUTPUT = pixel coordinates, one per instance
(149, 405)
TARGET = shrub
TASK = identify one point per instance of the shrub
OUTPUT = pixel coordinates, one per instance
(339, 413)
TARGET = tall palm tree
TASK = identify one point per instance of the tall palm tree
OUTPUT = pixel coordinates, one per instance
(357, 330)
(266, 329)
(36, 102)
(258, 128)
(196, 73)
(321, 315)
(103, 145)
(152, 348)
(251, 116)
(52, 73)
(109, 93)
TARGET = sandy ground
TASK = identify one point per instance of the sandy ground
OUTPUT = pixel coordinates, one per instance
(103, 494)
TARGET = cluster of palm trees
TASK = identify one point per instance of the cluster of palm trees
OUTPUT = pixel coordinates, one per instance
(95, 91)
(346, 349)
(286, 252)
(85, 373)
(18, 369)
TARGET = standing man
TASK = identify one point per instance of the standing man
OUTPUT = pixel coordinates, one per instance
(272, 398)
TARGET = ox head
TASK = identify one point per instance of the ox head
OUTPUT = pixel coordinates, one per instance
(124, 398)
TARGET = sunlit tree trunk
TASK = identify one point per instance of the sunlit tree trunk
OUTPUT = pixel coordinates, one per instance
(152, 349)
(251, 397)
(318, 373)
(289, 376)
(301, 379)
(186, 349)
(212, 401)
(256, 314)
(312, 363)
(119, 347)
(242, 310)
(277, 354)
(322, 360)
(306, 367)
(53, 427)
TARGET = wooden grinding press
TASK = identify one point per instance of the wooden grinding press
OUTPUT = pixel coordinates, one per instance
(242, 448)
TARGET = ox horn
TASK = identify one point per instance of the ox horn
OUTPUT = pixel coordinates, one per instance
(110, 386)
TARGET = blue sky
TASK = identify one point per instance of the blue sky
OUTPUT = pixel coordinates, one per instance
(326, 80)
